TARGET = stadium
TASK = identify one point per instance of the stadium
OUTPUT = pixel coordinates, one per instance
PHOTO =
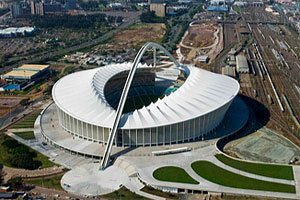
(164, 106)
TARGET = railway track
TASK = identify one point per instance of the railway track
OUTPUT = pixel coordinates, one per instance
(264, 88)
(283, 84)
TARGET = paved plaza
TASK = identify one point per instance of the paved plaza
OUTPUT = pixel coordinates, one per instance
(89, 180)
(264, 145)
(235, 118)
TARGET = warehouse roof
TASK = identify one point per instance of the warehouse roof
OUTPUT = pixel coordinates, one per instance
(20, 73)
(241, 64)
(33, 67)
(25, 71)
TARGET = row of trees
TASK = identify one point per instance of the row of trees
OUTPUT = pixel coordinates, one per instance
(150, 17)
(92, 5)
(70, 21)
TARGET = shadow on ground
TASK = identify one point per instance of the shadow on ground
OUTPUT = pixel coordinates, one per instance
(259, 116)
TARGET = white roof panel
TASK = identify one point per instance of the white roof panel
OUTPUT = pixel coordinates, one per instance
(81, 95)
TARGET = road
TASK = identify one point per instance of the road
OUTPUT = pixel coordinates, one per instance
(19, 113)
(102, 38)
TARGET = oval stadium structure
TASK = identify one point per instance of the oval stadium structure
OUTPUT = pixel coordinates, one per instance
(163, 106)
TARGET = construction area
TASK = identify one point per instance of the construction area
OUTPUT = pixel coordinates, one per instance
(201, 43)
(127, 41)
(8, 104)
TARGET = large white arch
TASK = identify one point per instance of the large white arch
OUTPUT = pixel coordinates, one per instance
(145, 47)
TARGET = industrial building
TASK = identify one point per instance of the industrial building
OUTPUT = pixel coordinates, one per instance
(203, 59)
(17, 31)
(242, 64)
(218, 8)
(232, 61)
(229, 71)
(26, 72)
(158, 7)
(25, 76)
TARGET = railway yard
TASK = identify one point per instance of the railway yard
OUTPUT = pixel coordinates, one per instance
(272, 51)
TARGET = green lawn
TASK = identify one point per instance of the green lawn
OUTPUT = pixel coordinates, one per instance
(44, 159)
(27, 135)
(28, 122)
(220, 176)
(6, 154)
(52, 182)
(173, 174)
(273, 171)
(68, 70)
(125, 194)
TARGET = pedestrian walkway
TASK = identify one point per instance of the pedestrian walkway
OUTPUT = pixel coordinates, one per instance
(17, 130)
(296, 169)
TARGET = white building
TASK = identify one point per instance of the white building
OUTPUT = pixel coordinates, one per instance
(241, 64)
(13, 31)
(170, 113)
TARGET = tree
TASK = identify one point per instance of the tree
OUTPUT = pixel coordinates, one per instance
(10, 144)
(24, 101)
(150, 17)
(15, 183)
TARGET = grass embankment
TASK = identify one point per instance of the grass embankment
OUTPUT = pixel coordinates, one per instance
(28, 122)
(51, 182)
(273, 171)
(220, 176)
(155, 192)
(15, 154)
(27, 135)
(173, 174)
(125, 194)
(28, 90)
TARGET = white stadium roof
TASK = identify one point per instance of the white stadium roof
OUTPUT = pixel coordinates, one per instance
(81, 95)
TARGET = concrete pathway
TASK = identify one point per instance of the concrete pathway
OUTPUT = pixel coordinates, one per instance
(184, 161)
(13, 130)
(296, 169)
(89, 180)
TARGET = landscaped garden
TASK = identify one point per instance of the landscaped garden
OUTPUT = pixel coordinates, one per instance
(15, 154)
(28, 122)
(269, 170)
(220, 176)
(173, 174)
(26, 135)
(51, 182)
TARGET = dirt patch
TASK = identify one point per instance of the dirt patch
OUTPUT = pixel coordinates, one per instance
(139, 34)
(201, 39)
(200, 36)
(8, 104)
